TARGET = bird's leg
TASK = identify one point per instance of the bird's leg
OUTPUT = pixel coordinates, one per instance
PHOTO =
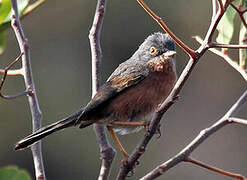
(115, 138)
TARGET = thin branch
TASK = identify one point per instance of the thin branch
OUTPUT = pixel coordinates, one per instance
(236, 107)
(203, 135)
(241, 14)
(217, 170)
(106, 150)
(32, 7)
(140, 149)
(226, 58)
(237, 120)
(214, 8)
(9, 97)
(231, 46)
(29, 83)
(159, 20)
(16, 72)
(221, 5)
(215, 22)
(5, 73)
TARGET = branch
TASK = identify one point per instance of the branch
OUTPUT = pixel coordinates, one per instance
(221, 5)
(226, 58)
(203, 135)
(159, 20)
(214, 8)
(29, 83)
(195, 56)
(237, 120)
(241, 14)
(231, 46)
(5, 73)
(217, 170)
(106, 150)
(16, 72)
(32, 7)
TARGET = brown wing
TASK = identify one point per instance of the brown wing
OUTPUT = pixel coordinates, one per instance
(124, 77)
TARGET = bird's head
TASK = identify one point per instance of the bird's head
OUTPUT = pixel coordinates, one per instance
(157, 45)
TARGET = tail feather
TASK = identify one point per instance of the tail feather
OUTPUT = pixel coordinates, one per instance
(43, 132)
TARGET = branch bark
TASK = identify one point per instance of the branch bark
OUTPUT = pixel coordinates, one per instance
(194, 57)
(203, 135)
(232, 63)
(214, 169)
(106, 150)
(29, 83)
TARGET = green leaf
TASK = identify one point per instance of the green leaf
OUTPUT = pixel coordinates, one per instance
(22, 5)
(5, 23)
(2, 41)
(4, 9)
(226, 26)
(5, 14)
(13, 173)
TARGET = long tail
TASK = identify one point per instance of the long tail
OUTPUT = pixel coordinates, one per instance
(45, 131)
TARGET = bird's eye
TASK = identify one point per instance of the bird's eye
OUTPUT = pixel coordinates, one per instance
(153, 51)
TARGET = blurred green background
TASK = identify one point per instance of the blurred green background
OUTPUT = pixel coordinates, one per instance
(58, 35)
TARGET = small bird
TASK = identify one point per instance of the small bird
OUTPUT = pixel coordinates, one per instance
(127, 100)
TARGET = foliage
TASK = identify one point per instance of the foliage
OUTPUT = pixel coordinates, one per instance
(13, 173)
(5, 14)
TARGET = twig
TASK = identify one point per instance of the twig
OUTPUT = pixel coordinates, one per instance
(9, 97)
(241, 14)
(203, 135)
(217, 170)
(237, 120)
(29, 83)
(32, 7)
(137, 153)
(230, 46)
(106, 150)
(221, 5)
(16, 72)
(5, 73)
(226, 58)
(159, 20)
(214, 9)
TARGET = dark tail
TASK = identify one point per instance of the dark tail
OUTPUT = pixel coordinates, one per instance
(45, 131)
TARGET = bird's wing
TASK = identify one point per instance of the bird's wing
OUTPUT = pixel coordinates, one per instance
(126, 75)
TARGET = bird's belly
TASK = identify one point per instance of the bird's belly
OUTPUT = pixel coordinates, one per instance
(140, 101)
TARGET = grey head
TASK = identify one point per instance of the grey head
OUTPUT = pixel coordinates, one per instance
(161, 42)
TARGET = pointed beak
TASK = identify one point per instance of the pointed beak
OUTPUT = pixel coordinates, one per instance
(169, 54)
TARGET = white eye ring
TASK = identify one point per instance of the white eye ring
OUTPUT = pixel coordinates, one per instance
(153, 51)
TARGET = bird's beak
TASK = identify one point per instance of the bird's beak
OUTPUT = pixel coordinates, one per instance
(169, 54)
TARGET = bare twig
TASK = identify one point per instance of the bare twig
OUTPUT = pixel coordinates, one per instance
(221, 5)
(32, 7)
(217, 170)
(9, 97)
(214, 8)
(159, 20)
(226, 58)
(137, 153)
(230, 46)
(16, 72)
(106, 150)
(203, 135)
(237, 120)
(29, 83)
(241, 14)
(5, 73)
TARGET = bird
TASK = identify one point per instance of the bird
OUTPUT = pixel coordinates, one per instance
(126, 102)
